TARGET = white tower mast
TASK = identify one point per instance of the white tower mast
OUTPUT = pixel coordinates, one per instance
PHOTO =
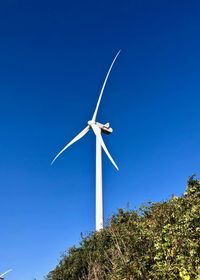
(99, 186)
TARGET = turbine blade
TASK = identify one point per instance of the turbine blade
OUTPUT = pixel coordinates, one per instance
(79, 136)
(5, 272)
(100, 139)
(102, 89)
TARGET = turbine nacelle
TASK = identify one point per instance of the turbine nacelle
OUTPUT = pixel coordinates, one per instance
(105, 128)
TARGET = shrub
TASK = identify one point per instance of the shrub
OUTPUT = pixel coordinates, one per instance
(159, 241)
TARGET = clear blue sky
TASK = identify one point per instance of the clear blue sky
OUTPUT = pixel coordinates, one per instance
(53, 59)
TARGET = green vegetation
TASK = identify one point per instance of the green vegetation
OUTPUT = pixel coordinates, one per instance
(159, 241)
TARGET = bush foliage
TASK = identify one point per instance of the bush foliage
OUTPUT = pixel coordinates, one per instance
(159, 241)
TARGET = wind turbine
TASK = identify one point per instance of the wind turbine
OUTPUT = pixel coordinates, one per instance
(1, 276)
(97, 128)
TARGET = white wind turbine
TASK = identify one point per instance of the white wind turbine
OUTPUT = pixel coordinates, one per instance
(97, 128)
(2, 275)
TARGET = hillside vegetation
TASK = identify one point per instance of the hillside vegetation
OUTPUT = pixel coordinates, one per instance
(159, 241)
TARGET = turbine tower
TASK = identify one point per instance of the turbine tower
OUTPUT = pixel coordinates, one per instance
(2, 275)
(98, 129)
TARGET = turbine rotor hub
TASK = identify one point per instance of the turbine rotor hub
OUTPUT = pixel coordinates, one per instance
(91, 122)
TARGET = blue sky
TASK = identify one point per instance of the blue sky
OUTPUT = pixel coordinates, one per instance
(53, 59)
